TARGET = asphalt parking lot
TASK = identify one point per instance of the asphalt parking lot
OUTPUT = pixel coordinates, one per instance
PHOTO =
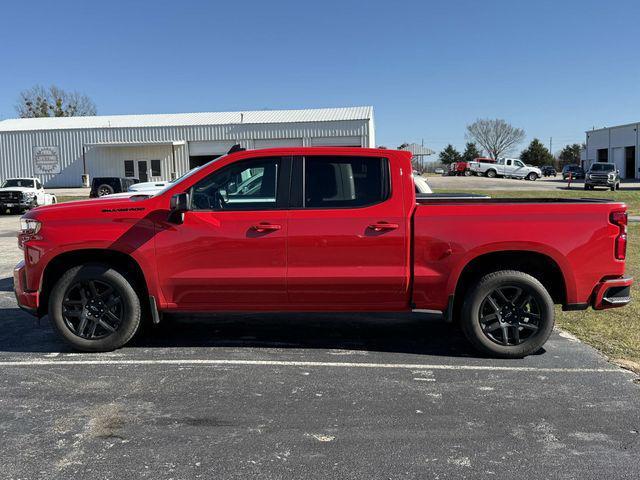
(305, 396)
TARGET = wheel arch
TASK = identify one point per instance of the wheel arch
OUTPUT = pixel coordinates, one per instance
(122, 262)
(539, 265)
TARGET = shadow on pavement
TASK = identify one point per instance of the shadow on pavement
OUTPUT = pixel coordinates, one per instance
(6, 284)
(399, 333)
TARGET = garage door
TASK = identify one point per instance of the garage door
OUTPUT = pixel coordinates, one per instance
(618, 159)
(280, 142)
(336, 142)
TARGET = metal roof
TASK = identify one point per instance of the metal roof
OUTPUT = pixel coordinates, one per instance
(187, 119)
(415, 149)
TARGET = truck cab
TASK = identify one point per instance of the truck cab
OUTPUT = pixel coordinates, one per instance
(515, 168)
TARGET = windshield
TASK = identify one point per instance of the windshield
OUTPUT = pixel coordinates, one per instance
(172, 183)
(18, 182)
(603, 167)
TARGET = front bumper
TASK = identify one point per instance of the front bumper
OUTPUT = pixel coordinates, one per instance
(23, 203)
(27, 300)
(600, 183)
(612, 293)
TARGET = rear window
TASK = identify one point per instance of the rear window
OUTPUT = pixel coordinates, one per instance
(331, 182)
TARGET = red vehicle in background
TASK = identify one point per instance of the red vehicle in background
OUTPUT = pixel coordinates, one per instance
(462, 168)
(459, 168)
(319, 229)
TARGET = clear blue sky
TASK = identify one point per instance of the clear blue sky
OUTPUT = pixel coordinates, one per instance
(554, 68)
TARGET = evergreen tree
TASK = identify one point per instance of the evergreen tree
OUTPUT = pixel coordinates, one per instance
(470, 152)
(537, 154)
(570, 154)
(449, 155)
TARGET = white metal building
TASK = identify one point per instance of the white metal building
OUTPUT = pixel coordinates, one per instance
(617, 145)
(161, 147)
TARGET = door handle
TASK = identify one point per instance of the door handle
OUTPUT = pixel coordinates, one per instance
(383, 226)
(266, 227)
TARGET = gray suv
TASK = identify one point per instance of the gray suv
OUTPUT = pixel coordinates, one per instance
(602, 175)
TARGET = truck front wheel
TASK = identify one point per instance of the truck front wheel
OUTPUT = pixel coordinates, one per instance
(94, 308)
(508, 314)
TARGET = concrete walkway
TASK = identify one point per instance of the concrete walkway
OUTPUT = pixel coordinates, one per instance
(69, 192)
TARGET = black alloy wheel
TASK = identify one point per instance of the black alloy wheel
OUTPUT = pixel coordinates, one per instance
(92, 309)
(95, 307)
(509, 315)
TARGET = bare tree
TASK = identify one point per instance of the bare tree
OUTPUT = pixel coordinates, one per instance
(495, 136)
(53, 102)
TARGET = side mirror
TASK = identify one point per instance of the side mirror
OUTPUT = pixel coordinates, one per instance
(178, 205)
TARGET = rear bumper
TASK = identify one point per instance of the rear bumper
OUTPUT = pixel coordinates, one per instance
(612, 293)
(27, 301)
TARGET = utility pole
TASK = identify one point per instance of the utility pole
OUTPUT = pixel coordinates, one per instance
(551, 145)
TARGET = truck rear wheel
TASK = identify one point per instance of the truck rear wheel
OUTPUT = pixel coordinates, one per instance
(105, 189)
(508, 314)
(94, 308)
(492, 174)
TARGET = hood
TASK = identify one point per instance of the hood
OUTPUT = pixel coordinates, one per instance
(117, 202)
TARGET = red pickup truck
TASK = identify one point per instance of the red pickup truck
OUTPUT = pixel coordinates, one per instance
(319, 229)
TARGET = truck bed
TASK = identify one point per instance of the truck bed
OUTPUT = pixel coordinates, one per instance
(427, 198)
(450, 231)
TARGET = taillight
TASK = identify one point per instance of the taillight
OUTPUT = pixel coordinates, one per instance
(620, 219)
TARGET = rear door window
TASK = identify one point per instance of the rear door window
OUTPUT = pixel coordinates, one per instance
(335, 181)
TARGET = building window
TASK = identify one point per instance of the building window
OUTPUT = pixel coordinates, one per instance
(128, 169)
(603, 154)
(155, 168)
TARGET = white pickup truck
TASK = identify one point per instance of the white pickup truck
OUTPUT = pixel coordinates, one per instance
(20, 194)
(506, 167)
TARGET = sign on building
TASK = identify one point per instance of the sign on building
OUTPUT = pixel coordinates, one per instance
(46, 160)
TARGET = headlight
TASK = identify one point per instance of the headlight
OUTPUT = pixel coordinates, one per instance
(28, 194)
(29, 226)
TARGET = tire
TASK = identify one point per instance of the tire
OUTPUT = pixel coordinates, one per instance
(467, 173)
(532, 332)
(586, 187)
(491, 173)
(532, 177)
(94, 337)
(105, 189)
(613, 188)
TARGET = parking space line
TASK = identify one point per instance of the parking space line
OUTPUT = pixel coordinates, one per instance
(287, 363)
